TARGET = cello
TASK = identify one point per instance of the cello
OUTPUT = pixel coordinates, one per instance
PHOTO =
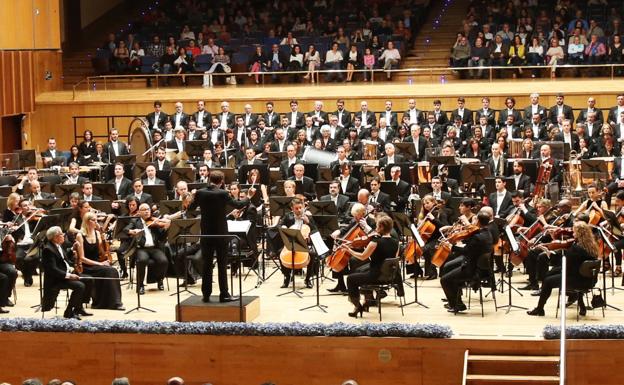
(543, 177)
(523, 243)
(292, 259)
(413, 250)
(339, 259)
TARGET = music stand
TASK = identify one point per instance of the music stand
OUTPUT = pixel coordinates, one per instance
(411, 228)
(321, 188)
(325, 174)
(186, 174)
(63, 191)
(48, 204)
(170, 206)
(256, 199)
(228, 175)
(6, 190)
(105, 190)
(293, 243)
(196, 148)
(63, 216)
(3, 204)
(197, 186)
(245, 169)
(126, 160)
(318, 244)
(323, 208)
(595, 169)
(102, 205)
(26, 158)
(157, 191)
(474, 173)
(438, 160)
(183, 227)
(416, 207)
(406, 149)
(607, 245)
(139, 169)
(275, 158)
(390, 188)
(279, 206)
(326, 224)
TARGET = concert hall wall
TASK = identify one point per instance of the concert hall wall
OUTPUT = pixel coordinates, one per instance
(96, 359)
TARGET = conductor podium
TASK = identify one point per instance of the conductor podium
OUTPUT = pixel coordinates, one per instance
(194, 309)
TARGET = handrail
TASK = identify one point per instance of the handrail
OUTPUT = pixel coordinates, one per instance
(413, 70)
(562, 334)
(465, 367)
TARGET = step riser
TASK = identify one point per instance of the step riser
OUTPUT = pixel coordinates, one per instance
(525, 368)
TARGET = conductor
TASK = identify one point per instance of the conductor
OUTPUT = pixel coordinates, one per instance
(212, 201)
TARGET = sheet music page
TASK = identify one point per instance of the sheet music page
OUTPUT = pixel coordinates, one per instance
(512, 240)
(238, 226)
(318, 243)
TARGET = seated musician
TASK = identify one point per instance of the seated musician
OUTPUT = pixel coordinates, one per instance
(14, 215)
(149, 232)
(500, 200)
(36, 193)
(188, 251)
(51, 155)
(336, 165)
(378, 199)
(434, 212)
(74, 175)
(90, 249)
(177, 143)
(617, 230)
(123, 185)
(87, 193)
(437, 192)
(250, 158)
(594, 204)
(138, 193)
(366, 223)
(381, 247)
(132, 209)
(31, 175)
(521, 181)
(75, 223)
(204, 174)
(296, 219)
(162, 163)
(308, 183)
(341, 201)
(59, 274)
(464, 268)
(390, 157)
(403, 188)
(150, 176)
(582, 247)
(348, 184)
(466, 217)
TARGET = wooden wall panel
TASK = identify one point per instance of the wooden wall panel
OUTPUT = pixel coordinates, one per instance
(47, 60)
(30, 24)
(16, 82)
(150, 359)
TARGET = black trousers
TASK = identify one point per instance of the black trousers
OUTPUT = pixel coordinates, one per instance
(153, 257)
(28, 266)
(310, 269)
(357, 279)
(619, 246)
(8, 276)
(354, 265)
(455, 273)
(552, 281)
(79, 293)
(189, 252)
(210, 247)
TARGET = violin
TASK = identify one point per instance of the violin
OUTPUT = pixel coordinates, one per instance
(558, 245)
(155, 222)
(444, 247)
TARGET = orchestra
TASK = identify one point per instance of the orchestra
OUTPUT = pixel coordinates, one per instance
(366, 172)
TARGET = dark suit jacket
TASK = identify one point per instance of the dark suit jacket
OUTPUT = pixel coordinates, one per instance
(145, 198)
(442, 118)
(273, 120)
(275, 146)
(394, 119)
(158, 234)
(502, 163)
(467, 119)
(110, 153)
(174, 146)
(285, 170)
(567, 112)
(612, 117)
(308, 187)
(323, 116)
(575, 141)
(505, 205)
(213, 203)
(502, 116)
(252, 122)
(300, 121)
(44, 195)
(582, 116)
(162, 118)
(93, 198)
(125, 188)
(342, 206)
(353, 186)
(422, 145)
(527, 114)
(345, 119)
(382, 200)
(371, 119)
(524, 184)
(230, 119)
(207, 119)
(542, 131)
(489, 115)
(289, 219)
(184, 119)
(166, 166)
(55, 270)
(420, 119)
(383, 162)
(403, 193)
(615, 173)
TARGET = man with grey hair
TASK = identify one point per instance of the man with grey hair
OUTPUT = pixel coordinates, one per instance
(59, 274)
(534, 108)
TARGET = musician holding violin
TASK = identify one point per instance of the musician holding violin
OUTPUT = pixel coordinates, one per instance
(618, 229)
(431, 219)
(380, 247)
(478, 242)
(20, 230)
(581, 247)
(93, 254)
(299, 220)
(361, 225)
(148, 232)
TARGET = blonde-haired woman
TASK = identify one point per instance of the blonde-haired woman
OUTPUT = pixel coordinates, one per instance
(89, 246)
(584, 248)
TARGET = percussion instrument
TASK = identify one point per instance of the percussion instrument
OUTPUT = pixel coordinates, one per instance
(515, 147)
(370, 150)
(139, 139)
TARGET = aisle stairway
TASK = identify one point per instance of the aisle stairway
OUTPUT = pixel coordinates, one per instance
(432, 47)
(503, 369)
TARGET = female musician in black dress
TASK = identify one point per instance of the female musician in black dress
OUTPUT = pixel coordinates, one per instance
(583, 248)
(89, 243)
(132, 207)
(381, 247)
(434, 212)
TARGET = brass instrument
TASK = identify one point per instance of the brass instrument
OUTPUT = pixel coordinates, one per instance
(575, 171)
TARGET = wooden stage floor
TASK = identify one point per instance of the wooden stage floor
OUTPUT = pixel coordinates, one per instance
(273, 308)
(569, 86)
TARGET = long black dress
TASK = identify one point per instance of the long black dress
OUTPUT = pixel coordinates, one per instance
(106, 293)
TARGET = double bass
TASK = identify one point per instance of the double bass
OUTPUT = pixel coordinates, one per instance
(543, 177)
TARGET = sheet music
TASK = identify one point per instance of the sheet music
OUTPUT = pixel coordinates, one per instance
(512, 240)
(417, 236)
(238, 226)
(318, 243)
